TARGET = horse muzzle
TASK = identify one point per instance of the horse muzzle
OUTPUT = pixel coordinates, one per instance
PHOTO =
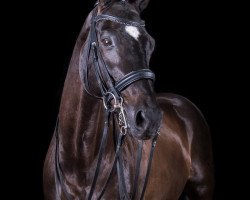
(145, 123)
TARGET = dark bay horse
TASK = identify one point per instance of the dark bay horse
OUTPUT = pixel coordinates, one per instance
(115, 138)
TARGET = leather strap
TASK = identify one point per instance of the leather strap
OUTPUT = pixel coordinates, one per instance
(149, 165)
(119, 20)
(137, 169)
(118, 147)
(100, 154)
(121, 179)
(133, 77)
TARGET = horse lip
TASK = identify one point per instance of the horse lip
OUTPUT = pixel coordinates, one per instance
(147, 134)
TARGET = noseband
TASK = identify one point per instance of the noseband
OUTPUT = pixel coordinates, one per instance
(110, 91)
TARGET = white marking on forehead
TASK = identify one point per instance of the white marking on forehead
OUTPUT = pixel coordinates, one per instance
(132, 31)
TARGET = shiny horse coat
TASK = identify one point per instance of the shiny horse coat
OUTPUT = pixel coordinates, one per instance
(182, 165)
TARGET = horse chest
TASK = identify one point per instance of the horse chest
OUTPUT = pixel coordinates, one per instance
(169, 172)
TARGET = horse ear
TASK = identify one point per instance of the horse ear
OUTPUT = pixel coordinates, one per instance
(140, 4)
(104, 2)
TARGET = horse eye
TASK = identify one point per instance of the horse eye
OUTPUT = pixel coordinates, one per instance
(107, 42)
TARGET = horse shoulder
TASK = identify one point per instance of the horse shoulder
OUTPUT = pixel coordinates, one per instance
(186, 114)
(183, 118)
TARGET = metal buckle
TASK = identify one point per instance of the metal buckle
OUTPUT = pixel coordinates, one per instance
(121, 116)
(122, 119)
(105, 103)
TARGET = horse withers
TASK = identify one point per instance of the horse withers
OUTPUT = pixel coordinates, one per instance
(115, 138)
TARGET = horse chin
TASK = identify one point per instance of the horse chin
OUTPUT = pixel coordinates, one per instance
(146, 135)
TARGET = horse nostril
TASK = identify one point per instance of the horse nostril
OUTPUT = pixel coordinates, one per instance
(140, 118)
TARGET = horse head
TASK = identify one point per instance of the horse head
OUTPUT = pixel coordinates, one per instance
(115, 64)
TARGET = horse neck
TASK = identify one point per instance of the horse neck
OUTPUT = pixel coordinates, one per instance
(80, 115)
(81, 121)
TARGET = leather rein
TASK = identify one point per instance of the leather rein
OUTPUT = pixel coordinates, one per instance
(111, 92)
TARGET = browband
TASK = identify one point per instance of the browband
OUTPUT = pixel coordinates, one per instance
(119, 20)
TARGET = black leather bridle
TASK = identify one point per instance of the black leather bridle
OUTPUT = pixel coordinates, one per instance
(109, 88)
(111, 92)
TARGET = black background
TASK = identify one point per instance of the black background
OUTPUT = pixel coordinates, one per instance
(196, 55)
